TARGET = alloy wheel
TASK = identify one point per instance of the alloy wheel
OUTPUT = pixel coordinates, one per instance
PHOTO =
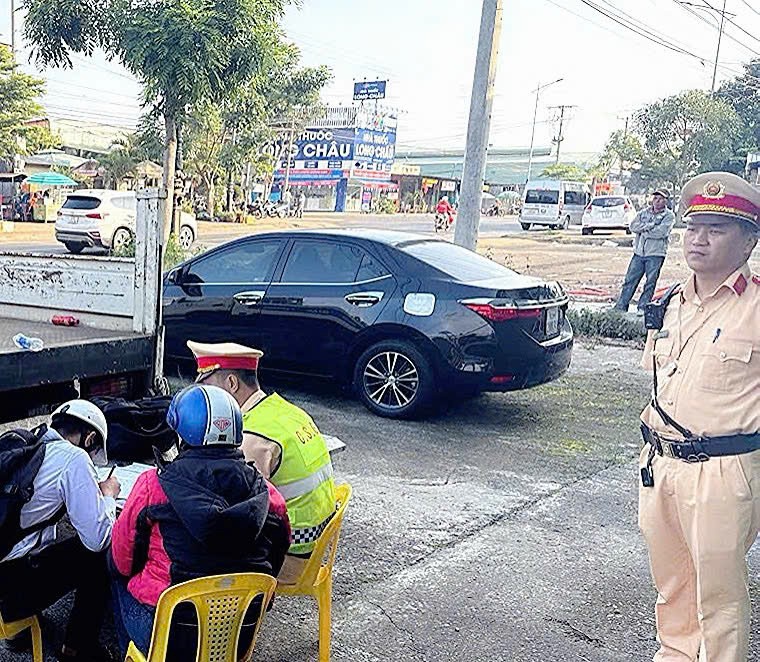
(391, 380)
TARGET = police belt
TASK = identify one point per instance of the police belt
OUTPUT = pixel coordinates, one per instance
(700, 449)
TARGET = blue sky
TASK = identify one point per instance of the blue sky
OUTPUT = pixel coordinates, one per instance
(426, 50)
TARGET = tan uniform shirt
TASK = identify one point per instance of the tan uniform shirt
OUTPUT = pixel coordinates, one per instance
(708, 362)
(265, 454)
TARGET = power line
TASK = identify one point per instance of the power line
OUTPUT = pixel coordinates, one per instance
(712, 25)
(751, 7)
(732, 22)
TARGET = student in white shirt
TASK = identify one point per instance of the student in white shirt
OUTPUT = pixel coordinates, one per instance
(40, 569)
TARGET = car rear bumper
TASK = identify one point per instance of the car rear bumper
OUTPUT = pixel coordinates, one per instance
(91, 239)
(546, 362)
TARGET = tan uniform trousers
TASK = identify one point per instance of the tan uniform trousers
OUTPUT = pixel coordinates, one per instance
(699, 521)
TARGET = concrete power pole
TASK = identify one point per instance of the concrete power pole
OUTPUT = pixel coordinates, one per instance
(559, 137)
(481, 104)
(13, 29)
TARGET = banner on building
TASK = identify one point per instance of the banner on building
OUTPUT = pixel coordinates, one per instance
(322, 153)
(366, 90)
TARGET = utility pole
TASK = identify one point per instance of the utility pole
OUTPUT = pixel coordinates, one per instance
(559, 137)
(717, 52)
(13, 30)
(481, 105)
(533, 131)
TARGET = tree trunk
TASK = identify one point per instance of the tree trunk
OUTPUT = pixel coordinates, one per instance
(210, 197)
(170, 158)
(230, 190)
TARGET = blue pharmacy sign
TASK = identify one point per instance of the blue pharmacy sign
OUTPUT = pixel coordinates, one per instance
(366, 90)
(324, 145)
(375, 147)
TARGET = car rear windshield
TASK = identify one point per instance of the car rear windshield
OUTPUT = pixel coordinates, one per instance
(81, 202)
(456, 261)
(607, 202)
(541, 197)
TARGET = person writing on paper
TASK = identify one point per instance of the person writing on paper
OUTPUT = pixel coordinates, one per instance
(40, 568)
(205, 513)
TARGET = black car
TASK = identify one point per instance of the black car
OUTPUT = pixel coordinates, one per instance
(400, 317)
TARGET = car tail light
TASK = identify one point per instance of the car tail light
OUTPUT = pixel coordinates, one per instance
(94, 214)
(587, 210)
(495, 313)
(626, 207)
(502, 379)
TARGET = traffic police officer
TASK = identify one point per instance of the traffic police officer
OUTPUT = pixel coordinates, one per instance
(281, 440)
(699, 498)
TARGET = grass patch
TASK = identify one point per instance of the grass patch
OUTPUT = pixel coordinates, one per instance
(607, 324)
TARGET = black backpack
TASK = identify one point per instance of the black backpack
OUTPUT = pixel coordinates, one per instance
(21, 455)
(135, 427)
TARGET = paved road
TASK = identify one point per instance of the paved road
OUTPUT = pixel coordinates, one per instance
(501, 530)
(209, 236)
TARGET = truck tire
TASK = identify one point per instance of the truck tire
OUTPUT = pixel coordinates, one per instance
(120, 238)
(394, 379)
(586, 231)
(75, 248)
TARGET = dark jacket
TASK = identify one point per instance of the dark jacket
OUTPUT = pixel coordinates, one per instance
(206, 513)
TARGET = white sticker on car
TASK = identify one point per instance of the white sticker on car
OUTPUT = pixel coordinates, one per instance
(420, 304)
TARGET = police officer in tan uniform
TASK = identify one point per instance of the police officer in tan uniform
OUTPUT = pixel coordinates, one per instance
(699, 497)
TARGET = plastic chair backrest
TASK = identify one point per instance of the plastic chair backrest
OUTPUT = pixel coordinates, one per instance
(221, 603)
(323, 555)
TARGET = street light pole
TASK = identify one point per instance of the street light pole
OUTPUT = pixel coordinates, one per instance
(13, 30)
(533, 132)
(481, 104)
(717, 52)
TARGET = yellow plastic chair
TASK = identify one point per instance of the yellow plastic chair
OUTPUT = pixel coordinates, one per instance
(316, 578)
(12, 628)
(221, 602)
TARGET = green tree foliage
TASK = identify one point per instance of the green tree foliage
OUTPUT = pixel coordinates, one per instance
(568, 171)
(686, 134)
(743, 95)
(19, 95)
(623, 150)
(184, 53)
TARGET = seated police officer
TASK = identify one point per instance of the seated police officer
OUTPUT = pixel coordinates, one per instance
(699, 498)
(205, 513)
(283, 442)
(40, 569)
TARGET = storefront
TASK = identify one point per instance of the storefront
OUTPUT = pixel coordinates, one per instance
(342, 168)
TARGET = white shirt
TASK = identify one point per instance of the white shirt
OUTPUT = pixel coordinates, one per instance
(66, 476)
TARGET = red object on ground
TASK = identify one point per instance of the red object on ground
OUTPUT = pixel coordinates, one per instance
(65, 320)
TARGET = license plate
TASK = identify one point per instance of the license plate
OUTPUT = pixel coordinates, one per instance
(552, 321)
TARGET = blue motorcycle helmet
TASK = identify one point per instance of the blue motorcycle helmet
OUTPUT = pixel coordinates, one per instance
(206, 416)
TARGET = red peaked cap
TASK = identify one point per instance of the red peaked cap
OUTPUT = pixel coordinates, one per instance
(224, 356)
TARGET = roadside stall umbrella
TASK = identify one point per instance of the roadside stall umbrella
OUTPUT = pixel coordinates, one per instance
(50, 179)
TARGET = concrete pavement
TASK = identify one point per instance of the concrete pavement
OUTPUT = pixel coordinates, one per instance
(503, 529)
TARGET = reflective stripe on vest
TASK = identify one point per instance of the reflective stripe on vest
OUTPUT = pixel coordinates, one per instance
(306, 536)
(305, 485)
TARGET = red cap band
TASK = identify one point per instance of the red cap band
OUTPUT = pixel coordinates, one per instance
(227, 363)
(727, 204)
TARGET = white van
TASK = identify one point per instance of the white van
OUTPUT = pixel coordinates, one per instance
(554, 203)
(101, 218)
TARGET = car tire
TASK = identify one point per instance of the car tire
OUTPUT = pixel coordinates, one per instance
(566, 223)
(186, 237)
(525, 226)
(628, 230)
(73, 247)
(586, 231)
(404, 361)
(120, 238)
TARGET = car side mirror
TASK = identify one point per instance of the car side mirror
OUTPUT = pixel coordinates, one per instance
(175, 277)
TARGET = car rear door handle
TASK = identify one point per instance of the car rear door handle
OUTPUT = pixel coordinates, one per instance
(364, 299)
(249, 298)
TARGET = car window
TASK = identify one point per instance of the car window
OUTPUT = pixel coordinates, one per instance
(575, 198)
(249, 262)
(370, 268)
(125, 202)
(607, 202)
(456, 261)
(541, 197)
(322, 262)
(83, 202)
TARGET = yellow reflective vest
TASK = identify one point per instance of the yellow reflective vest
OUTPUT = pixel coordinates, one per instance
(304, 476)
